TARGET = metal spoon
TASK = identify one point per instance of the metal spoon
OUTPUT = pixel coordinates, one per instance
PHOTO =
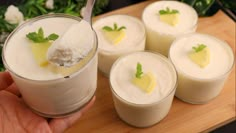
(65, 56)
(87, 12)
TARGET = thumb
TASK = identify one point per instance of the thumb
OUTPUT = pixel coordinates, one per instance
(5, 80)
(59, 125)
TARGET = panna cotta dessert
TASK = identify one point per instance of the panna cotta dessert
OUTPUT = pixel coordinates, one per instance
(143, 86)
(117, 35)
(203, 63)
(53, 61)
(166, 20)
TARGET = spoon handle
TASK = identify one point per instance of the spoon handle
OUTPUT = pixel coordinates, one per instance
(88, 10)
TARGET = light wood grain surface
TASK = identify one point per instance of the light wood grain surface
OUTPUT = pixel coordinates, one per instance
(183, 117)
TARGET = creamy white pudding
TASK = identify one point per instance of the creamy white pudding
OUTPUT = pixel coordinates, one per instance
(200, 84)
(160, 34)
(50, 90)
(133, 105)
(132, 39)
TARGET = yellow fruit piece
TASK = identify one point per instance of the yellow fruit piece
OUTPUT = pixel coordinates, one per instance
(39, 51)
(201, 58)
(171, 19)
(114, 36)
(147, 82)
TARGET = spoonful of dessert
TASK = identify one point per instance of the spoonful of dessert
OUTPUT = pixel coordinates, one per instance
(76, 43)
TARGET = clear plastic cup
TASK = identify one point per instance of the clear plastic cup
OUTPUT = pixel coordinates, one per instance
(198, 85)
(60, 96)
(135, 107)
(160, 35)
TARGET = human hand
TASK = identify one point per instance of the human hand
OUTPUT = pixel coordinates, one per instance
(16, 117)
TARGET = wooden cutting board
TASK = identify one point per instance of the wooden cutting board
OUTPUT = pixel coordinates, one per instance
(183, 117)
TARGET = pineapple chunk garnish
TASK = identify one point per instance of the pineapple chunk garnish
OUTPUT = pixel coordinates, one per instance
(40, 45)
(201, 55)
(171, 19)
(146, 83)
(169, 16)
(39, 51)
(114, 35)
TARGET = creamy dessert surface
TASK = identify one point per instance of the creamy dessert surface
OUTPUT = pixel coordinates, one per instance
(123, 73)
(18, 54)
(221, 56)
(134, 32)
(187, 17)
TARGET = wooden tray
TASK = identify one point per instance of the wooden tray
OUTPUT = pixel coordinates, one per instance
(183, 117)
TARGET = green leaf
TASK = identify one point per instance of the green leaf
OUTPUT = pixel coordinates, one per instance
(40, 33)
(162, 12)
(115, 28)
(107, 28)
(139, 70)
(205, 7)
(39, 37)
(199, 48)
(190, 2)
(33, 8)
(168, 11)
(53, 36)
(121, 28)
(175, 11)
(5, 26)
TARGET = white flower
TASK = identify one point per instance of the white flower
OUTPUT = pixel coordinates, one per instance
(82, 11)
(49, 4)
(13, 15)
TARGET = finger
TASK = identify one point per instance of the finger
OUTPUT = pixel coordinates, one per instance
(61, 124)
(13, 89)
(88, 106)
(5, 80)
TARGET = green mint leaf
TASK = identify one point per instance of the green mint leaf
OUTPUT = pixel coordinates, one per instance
(31, 35)
(38, 37)
(40, 33)
(53, 37)
(115, 28)
(107, 28)
(168, 11)
(162, 12)
(175, 11)
(34, 37)
(199, 48)
(121, 28)
(139, 70)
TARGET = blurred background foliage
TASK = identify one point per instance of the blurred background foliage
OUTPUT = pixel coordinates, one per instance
(210, 7)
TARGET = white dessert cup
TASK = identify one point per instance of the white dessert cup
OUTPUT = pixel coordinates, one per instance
(161, 40)
(57, 97)
(143, 115)
(197, 90)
